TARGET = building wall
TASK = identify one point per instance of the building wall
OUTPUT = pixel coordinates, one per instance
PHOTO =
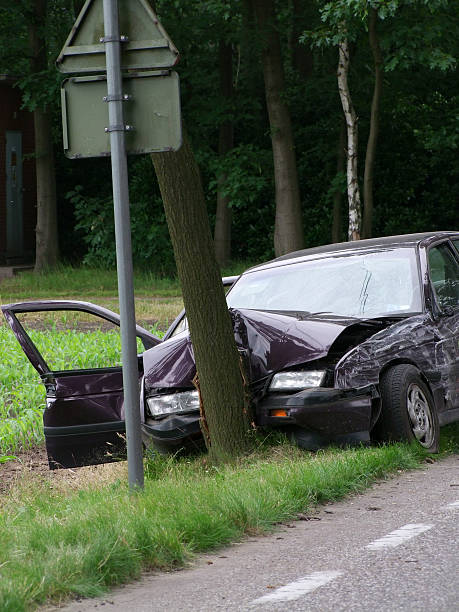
(13, 118)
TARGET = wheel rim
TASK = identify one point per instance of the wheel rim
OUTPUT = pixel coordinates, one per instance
(420, 415)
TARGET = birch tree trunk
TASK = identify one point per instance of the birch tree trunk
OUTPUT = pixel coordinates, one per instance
(374, 128)
(337, 230)
(224, 418)
(288, 229)
(353, 193)
(222, 234)
(47, 250)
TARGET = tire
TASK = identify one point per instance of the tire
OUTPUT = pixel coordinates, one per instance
(407, 409)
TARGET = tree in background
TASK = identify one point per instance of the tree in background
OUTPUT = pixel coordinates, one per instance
(414, 36)
(336, 233)
(31, 34)
(415, 178)
(47, 242)
(370, 155)
(223, 215)
(350, 116)
(288, 230)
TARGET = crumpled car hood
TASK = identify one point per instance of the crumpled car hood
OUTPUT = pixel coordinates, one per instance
(271, 341)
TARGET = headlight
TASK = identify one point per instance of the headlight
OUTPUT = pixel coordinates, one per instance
(295, 381)
(172, 403)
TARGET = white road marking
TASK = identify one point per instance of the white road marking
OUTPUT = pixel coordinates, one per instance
(300, 587)
(451, 506)
(399, 536)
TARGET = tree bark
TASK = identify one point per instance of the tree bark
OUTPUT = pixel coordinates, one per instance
(337, 230)
(353, 193)
(47, 250)
(288, 229)
(222, 235)
(374, 128)
(224, 421)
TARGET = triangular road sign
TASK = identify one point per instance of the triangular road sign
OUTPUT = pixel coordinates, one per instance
(148, 45)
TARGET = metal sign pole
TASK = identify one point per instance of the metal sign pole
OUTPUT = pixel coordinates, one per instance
(117, 128)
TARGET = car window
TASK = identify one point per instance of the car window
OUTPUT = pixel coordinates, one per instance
(74, 340)
(456, 244)
(444, 275)
(182, 325)
(368, 284)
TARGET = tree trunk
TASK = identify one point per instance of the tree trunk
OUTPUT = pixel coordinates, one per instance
(288, 229)
(337, 230)
(224, 416)
(353, 193)
(47, 250)
(374, 125)
(222, 236)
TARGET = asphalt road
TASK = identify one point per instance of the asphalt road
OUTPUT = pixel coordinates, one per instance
(395, 547)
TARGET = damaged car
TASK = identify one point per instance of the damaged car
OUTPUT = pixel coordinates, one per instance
(350, 341)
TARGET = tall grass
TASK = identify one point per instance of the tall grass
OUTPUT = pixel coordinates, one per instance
(54, 544)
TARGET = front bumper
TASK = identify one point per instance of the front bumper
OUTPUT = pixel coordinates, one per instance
(324, 410)
(172, 432)
(327, 411)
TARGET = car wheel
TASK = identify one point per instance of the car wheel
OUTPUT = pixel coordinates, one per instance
(407, 411)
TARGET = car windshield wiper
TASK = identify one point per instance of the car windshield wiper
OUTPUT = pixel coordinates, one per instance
(327, 312)
(303, 314)
(288, 313)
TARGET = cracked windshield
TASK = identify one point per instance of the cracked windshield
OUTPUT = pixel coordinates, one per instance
(370, 285)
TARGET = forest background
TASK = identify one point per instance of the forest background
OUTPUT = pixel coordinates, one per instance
(224, 93)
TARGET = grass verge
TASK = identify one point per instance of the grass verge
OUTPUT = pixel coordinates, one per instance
(56, 543)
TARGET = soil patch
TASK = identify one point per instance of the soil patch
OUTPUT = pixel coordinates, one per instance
(34, 464)
(34, 461)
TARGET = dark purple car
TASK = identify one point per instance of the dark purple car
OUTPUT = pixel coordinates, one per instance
(343, 342)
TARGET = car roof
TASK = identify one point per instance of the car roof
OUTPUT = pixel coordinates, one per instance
(404, 240)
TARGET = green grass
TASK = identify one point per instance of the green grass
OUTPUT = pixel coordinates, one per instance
(22, 398)
(55, 544)
(69, 281)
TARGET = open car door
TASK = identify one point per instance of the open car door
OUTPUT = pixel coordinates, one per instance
(76, 349)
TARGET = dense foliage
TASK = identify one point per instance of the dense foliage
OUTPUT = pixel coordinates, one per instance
(416, 182)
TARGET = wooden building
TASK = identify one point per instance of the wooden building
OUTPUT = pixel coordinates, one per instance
(17, 178)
